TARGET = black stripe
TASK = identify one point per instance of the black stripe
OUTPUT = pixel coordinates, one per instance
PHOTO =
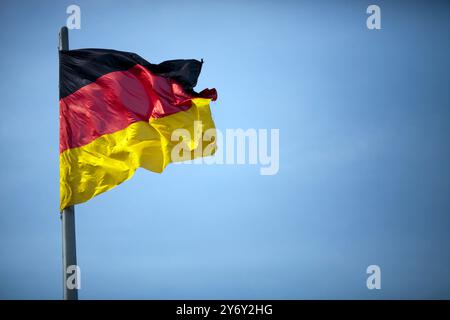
(82, 67)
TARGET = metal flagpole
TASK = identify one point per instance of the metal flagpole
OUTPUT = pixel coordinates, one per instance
(69, 250)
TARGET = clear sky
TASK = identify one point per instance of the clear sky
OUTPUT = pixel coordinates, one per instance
(364, 119)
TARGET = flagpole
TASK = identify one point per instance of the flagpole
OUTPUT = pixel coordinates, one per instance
(69, 250)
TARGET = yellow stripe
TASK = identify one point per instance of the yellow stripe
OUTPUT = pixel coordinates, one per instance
(113, 158)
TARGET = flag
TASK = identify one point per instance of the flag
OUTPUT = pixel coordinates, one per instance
(118, 113)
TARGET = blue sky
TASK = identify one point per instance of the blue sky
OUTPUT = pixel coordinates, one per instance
(364, 173)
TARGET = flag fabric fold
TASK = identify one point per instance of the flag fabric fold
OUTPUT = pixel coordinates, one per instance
(118, 112)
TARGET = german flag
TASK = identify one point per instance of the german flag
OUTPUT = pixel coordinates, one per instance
(118, 113)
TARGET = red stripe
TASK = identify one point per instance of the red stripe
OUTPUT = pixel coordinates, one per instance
(116, 100)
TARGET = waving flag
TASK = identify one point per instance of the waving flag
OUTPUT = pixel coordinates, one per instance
(118, 112)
